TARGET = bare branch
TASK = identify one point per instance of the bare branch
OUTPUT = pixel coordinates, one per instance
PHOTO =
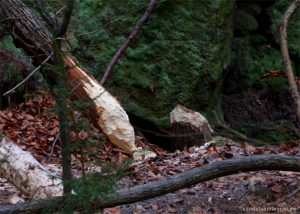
(286, 58)
(126, 44)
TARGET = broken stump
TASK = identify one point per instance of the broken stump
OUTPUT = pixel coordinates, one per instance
(188, 128)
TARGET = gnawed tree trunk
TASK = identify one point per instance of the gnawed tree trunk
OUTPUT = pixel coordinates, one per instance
(157, 188)
(104, 110)
(22, 170)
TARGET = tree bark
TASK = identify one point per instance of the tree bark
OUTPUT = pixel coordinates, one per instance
(183, 180)
(286, 58)
(104, 110)
(128, 41)
(22, 170)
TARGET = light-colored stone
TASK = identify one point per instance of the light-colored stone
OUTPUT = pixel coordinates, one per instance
(141, 154)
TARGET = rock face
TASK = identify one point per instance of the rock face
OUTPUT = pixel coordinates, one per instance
(177, 58)
(189, 128)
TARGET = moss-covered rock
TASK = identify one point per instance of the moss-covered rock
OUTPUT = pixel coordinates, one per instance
(256, 48)
(177, 58)
(253, 58)
(244, 21)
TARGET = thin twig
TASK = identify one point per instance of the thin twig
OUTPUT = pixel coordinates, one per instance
(53, 144)
(56, 13)
(28, 77)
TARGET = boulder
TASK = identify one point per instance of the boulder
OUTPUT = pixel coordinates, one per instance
(177, 58)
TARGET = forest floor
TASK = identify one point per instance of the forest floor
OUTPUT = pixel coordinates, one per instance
(33, 126)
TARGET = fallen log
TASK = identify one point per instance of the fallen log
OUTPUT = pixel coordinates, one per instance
(22, 170)
(180, 181)
(104, 110)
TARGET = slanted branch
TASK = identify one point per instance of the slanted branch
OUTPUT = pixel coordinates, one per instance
(128, 41)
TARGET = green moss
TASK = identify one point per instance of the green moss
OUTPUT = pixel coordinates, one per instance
(7, 42)
(245, 22)
(255, 57)
(266, 133)
(177, 58)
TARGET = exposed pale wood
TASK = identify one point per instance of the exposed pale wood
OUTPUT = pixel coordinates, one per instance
(183, 180)
(189, 128)
(22, 170)
(105, 110)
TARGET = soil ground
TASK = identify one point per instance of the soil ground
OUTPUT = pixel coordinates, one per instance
(34, 128)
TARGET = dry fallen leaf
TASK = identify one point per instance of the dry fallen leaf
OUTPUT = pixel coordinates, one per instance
(113, 210)
(197, 210)
(217, 185)
(172, 209)
(277, 188)
(155, 207)
(249, 149)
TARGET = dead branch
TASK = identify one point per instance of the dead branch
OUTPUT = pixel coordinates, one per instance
(129, 40)
(286, 58)
(168, 185)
